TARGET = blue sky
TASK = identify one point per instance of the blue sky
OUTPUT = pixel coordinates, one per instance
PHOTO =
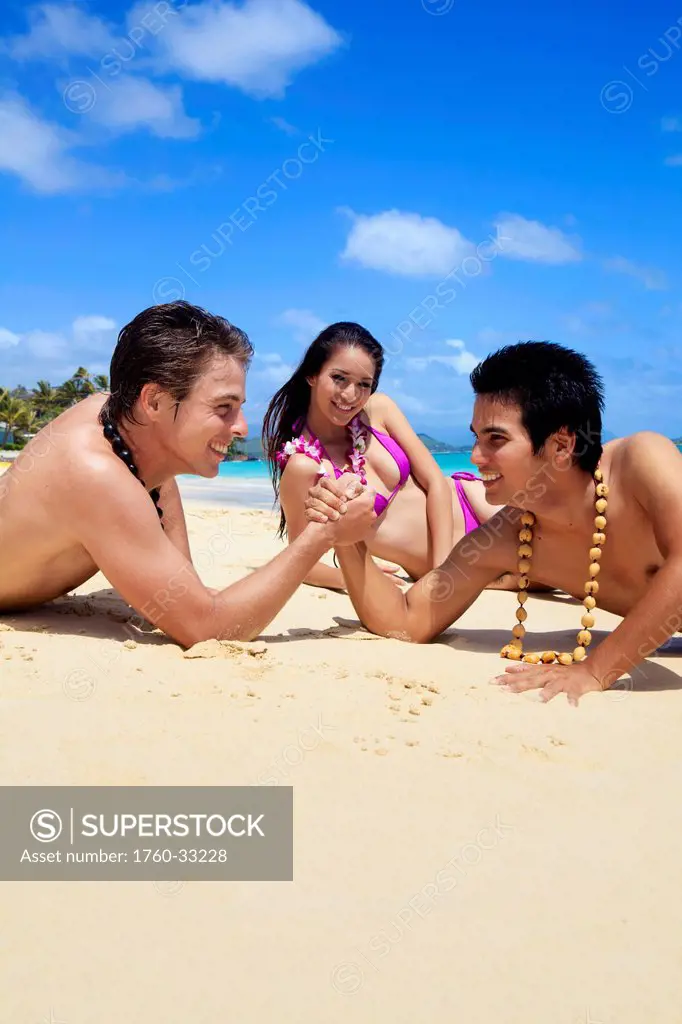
(454, 175)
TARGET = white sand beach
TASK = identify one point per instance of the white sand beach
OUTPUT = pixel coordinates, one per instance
(461, 853)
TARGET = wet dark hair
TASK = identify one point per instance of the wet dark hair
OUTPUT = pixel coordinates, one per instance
(169, 345)
(291, 402)
(555, 387)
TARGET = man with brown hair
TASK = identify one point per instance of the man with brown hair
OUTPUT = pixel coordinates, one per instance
(96, 490)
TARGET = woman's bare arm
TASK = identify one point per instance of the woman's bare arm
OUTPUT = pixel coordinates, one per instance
(427, 473)
(300, 474)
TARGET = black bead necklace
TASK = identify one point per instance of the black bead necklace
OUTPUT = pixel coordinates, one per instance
(125, 455)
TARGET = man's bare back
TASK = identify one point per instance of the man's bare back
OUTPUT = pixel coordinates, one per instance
(42, 498)
(42, 558)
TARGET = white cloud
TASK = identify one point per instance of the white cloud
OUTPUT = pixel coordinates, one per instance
(45, 344)
(405, 244)
(276, 370)
(407, 403)
(674, 161)
(37, 151)
(462, 363)
(253, 45)
(671, 124)
(521, 239)
(85, 324)
(8, 339)
(650, 277)
(305, 323)
(133, 102)
(465, 361)
(256, 46)
(87, 334)
(93, 331)
(59, 30)
(118, 100)
(284, 126)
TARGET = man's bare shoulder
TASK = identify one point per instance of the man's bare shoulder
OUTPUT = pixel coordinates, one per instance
(73, 436)
(80, 466)
(641, 444)
(641, 455)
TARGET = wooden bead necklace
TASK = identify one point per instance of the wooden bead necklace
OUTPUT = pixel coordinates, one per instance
(514, 650)
(125, 455)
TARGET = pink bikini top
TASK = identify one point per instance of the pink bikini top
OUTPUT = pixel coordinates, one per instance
(402, 462)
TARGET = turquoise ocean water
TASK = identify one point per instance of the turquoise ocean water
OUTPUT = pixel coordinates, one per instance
(248, 483)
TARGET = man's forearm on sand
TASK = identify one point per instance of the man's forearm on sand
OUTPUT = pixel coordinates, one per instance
(652, 621)
(245, 608)
(381, 606)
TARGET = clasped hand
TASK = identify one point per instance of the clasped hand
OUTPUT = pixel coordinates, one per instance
(347, 499)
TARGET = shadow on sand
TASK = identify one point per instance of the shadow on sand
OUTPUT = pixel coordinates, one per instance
(103, 615)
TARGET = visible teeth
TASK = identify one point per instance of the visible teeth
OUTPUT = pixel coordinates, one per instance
(221, 449)
(490, 476)
(343, 408)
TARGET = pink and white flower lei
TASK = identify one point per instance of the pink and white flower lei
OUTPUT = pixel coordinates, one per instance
(357, 454)
(304, 447)
(313, 449)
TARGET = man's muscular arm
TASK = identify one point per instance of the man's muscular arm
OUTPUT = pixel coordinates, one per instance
(439, 598)
(652, 471)
(116, 522)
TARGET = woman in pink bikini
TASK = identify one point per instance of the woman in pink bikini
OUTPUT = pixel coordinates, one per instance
(328, 418)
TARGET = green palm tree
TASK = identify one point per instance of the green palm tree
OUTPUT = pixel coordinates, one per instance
(83, 381)
(101, 382)
(44, 398)
(28, 419)
(69, 393)
(12, 412)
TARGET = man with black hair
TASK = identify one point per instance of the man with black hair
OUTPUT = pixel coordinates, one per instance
(96, 490)
(600, 522)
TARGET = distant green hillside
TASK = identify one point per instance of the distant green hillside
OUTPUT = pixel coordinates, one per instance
(253, 449)
(437, 447)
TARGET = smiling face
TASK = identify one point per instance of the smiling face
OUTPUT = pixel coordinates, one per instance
(502, 450)
(344, 384)
(210, 417)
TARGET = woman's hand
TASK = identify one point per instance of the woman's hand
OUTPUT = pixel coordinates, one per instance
(327, 499)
